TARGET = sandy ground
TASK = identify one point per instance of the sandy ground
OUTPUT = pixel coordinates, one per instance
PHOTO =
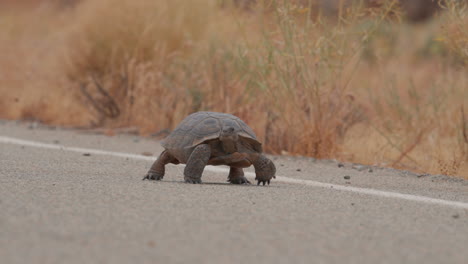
(61, 206)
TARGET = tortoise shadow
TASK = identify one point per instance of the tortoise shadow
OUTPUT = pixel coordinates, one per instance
(221, 184)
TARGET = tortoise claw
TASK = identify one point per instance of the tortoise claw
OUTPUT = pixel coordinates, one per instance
(153, 176)
(240, 180)
(192, 180)
(263, 182)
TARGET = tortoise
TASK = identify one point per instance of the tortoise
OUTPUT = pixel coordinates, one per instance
(210, 138)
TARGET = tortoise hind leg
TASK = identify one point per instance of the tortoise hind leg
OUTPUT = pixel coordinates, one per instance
(236, 176)
(158, 169)
(196, 163)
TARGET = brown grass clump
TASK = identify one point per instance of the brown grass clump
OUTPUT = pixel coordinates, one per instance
(455, 31)
(122, 56)
(364, 87)
(32, 84)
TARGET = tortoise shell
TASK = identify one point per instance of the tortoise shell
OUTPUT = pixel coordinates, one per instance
(200, 127)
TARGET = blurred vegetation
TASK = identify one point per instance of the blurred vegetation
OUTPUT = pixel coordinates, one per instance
(353, 81)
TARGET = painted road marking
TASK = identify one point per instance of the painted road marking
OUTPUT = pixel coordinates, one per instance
(374, 192)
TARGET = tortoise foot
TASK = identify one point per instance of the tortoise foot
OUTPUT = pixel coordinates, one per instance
(239, 180)
(192, 180)
(263, 181)
(263, 178)
(153, 176)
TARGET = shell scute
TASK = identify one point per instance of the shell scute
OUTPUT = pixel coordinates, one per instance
(202, 126)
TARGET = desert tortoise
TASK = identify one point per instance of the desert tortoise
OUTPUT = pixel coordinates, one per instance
(210, 138)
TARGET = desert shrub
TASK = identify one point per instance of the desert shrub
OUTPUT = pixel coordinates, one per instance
(364, 86)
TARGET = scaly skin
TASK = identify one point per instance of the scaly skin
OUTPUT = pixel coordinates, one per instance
(265, 170)
(158, 169)
(196, 164)
(236, 176)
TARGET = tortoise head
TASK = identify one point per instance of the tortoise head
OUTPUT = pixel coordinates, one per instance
(228, 133)
(229, 137)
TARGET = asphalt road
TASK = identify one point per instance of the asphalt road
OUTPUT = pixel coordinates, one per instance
(68, 205)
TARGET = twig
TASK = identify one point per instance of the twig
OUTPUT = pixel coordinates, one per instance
(410, 148)
(108, 107)
(390, 142)
(465, 134)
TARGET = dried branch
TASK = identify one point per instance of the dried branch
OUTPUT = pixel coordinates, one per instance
(105, 105)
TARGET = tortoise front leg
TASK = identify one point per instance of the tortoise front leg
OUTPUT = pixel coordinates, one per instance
(196, 163)
(158, 169)
(265, 170)
(236, 176)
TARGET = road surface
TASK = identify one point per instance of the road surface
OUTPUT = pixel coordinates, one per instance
(72, 197)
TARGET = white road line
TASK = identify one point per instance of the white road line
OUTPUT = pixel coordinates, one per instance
(374, 192)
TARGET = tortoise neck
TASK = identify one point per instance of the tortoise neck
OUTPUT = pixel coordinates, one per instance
(229, 139)
(229, 145)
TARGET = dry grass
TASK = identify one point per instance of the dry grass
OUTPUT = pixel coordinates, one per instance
(366, 87)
